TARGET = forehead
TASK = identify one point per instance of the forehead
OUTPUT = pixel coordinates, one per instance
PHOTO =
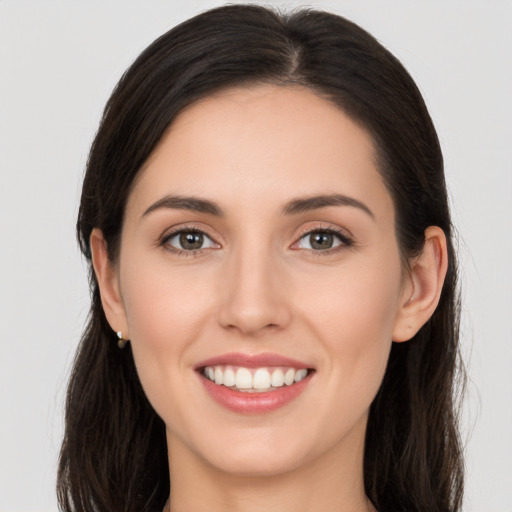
(264, 141)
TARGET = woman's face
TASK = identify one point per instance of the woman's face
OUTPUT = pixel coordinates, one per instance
(259, 239)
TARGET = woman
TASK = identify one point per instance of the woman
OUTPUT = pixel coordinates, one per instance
(274, 314)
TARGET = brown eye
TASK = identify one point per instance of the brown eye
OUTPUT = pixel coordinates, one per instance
(187, 241)
(191, 241)
(323, 240)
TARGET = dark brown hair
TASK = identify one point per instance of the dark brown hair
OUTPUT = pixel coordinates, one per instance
(114, 455)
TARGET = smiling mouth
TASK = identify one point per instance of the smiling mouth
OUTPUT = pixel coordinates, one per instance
(254, 380)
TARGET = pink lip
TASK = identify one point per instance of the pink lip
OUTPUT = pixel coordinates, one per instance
(253, 403)
(252, 361)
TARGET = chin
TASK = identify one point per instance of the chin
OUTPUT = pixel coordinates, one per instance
(257, 453)
(264, 464)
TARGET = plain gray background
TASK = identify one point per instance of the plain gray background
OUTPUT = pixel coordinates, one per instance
(58, 63)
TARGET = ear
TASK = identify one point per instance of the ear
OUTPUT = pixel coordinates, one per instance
(108, 282)
(423, 286)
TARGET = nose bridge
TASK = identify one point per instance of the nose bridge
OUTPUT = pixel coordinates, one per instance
(252, 298)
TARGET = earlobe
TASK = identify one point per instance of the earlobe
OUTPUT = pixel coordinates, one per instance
(425, 283)
(108, 283)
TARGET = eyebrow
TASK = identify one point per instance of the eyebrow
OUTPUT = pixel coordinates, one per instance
(185, 203)
(293, 207)
(301, 205)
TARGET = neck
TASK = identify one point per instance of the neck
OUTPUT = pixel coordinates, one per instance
(331, 483)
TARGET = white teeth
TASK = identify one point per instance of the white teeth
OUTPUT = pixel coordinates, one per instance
(229, 377)
(289, 377)
(277, 379)
(261, 379)
(256, 379)
(300, 374)
(243, 378)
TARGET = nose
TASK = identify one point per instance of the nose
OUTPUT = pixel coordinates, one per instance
(254, 294)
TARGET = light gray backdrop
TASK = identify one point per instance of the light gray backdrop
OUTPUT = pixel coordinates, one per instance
(58, 64)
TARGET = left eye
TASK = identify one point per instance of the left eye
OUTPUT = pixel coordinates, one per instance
(322, 240)
(189, 241)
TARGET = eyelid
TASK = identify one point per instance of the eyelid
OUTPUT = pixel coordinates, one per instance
(176, 230)
(343, 235)
(346, 238)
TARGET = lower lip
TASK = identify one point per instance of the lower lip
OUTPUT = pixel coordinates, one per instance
(254, 403)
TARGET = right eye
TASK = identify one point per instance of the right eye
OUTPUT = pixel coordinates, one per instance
(188, 240)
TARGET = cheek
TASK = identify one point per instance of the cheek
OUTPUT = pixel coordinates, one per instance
(163, 304)
(166, 312)
(352, 320)
(353, 315)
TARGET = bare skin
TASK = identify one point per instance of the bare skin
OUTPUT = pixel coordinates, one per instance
(258, 281)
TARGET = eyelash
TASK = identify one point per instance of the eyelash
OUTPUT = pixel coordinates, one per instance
(164, 242)
(346, 241)
(343, 237)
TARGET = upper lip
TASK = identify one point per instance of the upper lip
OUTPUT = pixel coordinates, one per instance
(252, 361)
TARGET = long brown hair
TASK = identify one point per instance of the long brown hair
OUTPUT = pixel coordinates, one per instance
(114, 455)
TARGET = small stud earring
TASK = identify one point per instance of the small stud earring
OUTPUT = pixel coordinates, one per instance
(121, 342)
